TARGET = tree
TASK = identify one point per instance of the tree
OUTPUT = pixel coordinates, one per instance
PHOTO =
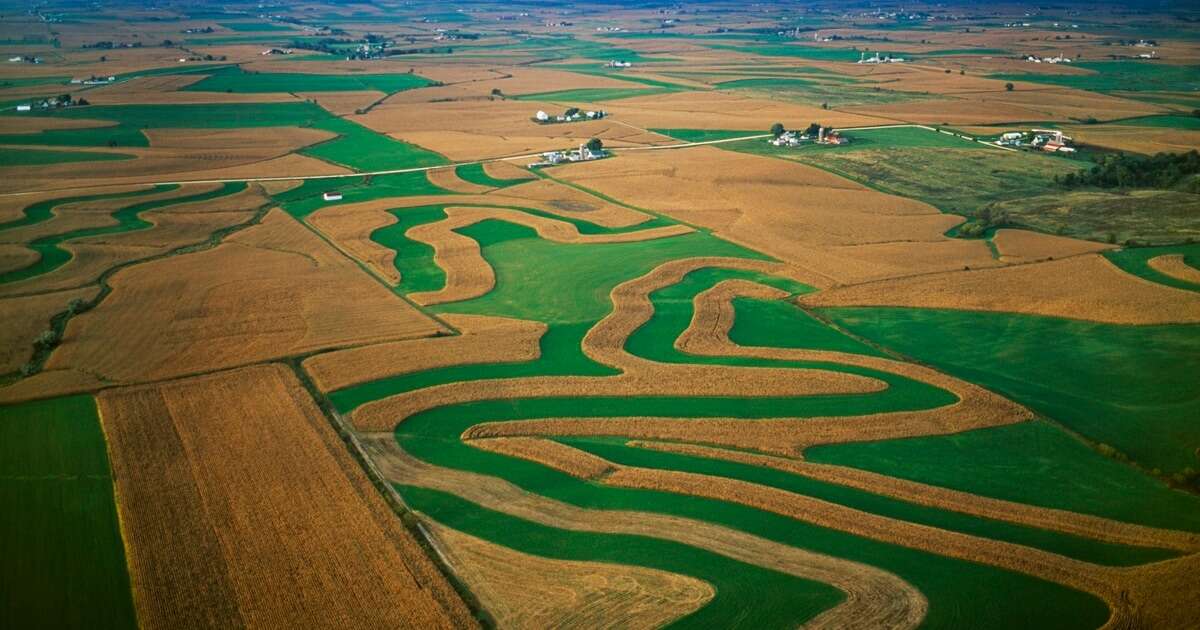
(595, 145)
(777, 129)
(1008, 86)
(571, 112)
(813, 129)
(497, 92)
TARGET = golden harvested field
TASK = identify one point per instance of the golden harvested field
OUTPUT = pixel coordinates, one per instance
(482, 340)
(1173, 265)
(34, 124)
(506, 170)
(172, 227)
(923, 494)
(1147, 140)
(467, 130)
(514, 80)
(26, 317)
(272, 140)
(1030, 102)
(526, 591)
(88, 214)
(448, 179)
(874, 597)
(232, 523)
(1081, 287)
(343, 103)
(12, 206)
(244, 303)
(162, 164)
(722, 110)
(831, 226)
(469, 275)
(1020, 246)
(350, 226)
(16, 256)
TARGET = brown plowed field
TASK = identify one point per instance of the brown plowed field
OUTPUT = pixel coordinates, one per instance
(240, 507)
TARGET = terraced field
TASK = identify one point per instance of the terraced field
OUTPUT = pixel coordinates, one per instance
(661, 411)
(305, 328)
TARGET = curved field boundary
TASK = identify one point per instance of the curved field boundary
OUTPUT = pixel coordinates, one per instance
(128, 219)
(493, 174)
(469, 414)
(43, 210)
(1175, 266)
(483, 340)
(448, 178)
(468, 275)
(874, 598)
(1114, 585)
(1094, 527)
(521, 590)
(1080, 288)
(1136, 261)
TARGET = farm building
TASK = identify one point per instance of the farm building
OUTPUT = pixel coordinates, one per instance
(332, 195)
(24, 108)
(542, 116)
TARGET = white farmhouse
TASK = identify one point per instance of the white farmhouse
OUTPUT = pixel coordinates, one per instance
(542, 116)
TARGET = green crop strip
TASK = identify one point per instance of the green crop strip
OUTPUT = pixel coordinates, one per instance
(414, 259)
(64, 563)
(1136, 262)
(957, 591)
(1125, 75)
(1032, 462)
(43, 210)
(361, 149)
(532, 281)
(1057, 366)
(10, 157)
(1086, 549)
(307, 198)
(52, 256)
(561, 355)
(746, 595)
(476, 174)
(235, 79)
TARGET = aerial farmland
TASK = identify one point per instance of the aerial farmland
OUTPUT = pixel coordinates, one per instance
(531, 314)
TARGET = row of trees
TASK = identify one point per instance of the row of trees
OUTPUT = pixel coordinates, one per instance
(1122, 170)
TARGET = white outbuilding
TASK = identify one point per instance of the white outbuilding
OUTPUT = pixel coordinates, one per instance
(542, 116)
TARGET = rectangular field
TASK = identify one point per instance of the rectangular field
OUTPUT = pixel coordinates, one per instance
(63, 562)
(242, 508)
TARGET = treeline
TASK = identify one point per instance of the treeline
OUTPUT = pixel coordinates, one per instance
(1122, 170)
